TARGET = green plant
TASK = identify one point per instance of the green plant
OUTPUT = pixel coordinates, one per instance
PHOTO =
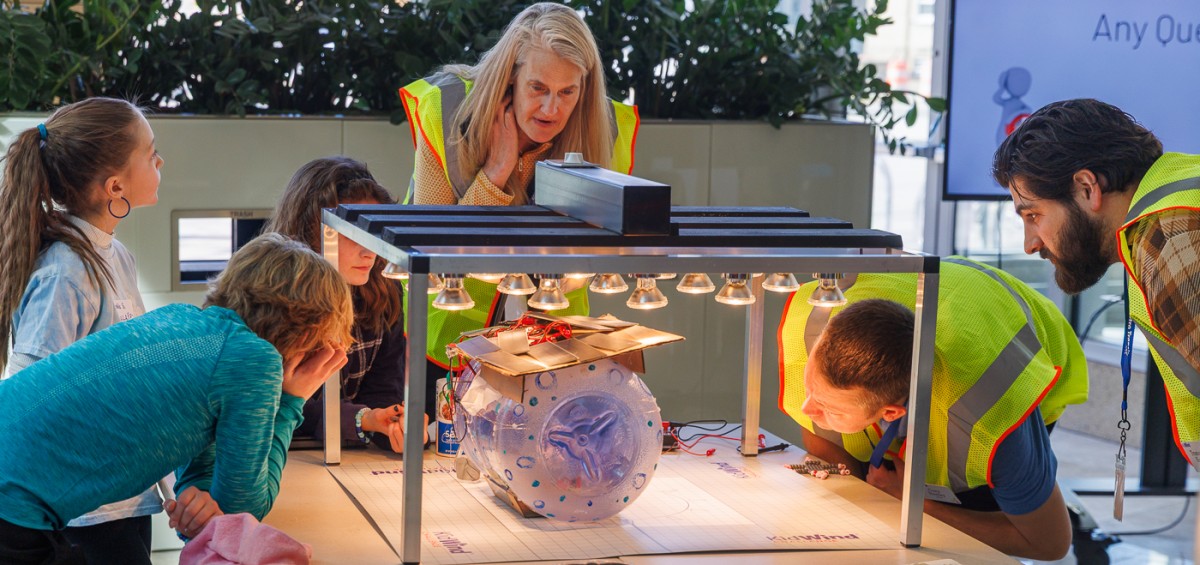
(69, 49)
(738, 59)
(23, 40)
(720, 59)
(833, 25)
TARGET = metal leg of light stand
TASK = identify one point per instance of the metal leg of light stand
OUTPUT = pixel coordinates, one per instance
(414, 417)
(752, 383)
(919, 391)
(332, 389)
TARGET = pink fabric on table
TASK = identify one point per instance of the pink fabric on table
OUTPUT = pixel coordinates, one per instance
(242, 540)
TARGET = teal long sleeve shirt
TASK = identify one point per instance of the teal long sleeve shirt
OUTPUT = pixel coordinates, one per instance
(179, 388)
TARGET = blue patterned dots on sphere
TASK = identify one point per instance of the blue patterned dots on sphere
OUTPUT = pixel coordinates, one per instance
(584, 447)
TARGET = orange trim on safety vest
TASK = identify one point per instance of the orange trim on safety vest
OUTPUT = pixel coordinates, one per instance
(787, 309)
(414, 123)
(1175, 426)
(1036, 403)
(1127, 263)
(637, 123)
(409, 112)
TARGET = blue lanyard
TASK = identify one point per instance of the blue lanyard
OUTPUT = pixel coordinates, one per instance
(1126, 353)
(1126, 362)
(884, 442)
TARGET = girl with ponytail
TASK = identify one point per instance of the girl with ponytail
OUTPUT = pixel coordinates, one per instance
(67, 184)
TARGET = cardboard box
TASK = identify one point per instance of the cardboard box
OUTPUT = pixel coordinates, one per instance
(507, 358)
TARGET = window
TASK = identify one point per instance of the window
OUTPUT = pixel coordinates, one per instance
(202, 241)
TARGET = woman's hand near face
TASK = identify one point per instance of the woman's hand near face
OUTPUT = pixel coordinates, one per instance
(303, 374)
(503, 151)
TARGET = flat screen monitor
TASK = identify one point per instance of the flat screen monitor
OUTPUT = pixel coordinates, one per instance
(1008, 58)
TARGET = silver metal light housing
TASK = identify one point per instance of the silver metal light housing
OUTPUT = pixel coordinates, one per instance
(827, 294)
(453, 296)
(646, 296)
(549, 295)
(736, 290)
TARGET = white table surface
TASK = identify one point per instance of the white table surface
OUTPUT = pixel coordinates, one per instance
(313, 508)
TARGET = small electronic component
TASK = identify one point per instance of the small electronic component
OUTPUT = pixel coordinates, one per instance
(819, 469)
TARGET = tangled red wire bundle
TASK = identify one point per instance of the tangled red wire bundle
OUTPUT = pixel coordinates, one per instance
(685, 447)
(537, 330)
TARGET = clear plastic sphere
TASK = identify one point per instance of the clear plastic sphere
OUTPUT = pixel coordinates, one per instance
(582, 446)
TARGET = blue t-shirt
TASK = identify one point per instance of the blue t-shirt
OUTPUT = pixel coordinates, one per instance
(1023, 471)
(1024, 468)
(177, 388)
(63, 303)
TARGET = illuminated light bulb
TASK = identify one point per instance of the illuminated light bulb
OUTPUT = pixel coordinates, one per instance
(781, 282)
(453, 296)
(549, 295)
(608, 283)
(516, 283)
(827, 294)
(736, 292)
(646, 296)
(696, 283)
(395, 272)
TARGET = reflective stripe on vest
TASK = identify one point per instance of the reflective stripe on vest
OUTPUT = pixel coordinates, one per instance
(1001, 375)
(1163, 189)
(431, 103)
(972, 421)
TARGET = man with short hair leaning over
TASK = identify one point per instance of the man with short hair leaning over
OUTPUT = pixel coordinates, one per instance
(1006, 365)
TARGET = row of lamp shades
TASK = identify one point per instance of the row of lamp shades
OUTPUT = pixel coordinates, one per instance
(548, 295)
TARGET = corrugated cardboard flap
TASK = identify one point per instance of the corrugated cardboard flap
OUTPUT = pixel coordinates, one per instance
(509, 353)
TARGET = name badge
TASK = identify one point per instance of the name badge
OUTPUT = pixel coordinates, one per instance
(123, 310)
(1193, 452)
(941, 494)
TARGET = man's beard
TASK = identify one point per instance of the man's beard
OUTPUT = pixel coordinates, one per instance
(1084, 254)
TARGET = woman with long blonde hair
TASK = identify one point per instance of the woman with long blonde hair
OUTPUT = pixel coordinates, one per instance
(479, 131)
(538, 94)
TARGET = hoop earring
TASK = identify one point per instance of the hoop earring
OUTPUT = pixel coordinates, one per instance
(128, 208)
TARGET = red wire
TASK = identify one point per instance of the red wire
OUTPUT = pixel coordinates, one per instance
(684, 447)
(761, 439)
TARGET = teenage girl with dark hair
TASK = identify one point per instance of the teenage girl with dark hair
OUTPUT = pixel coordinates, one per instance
(373, 379)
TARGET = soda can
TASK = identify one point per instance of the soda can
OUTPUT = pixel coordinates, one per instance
(447, 441)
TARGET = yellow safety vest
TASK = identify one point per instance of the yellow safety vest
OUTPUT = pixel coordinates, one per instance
(432, 102)
(1001, 350)
(1172, 183)
(446, 326)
